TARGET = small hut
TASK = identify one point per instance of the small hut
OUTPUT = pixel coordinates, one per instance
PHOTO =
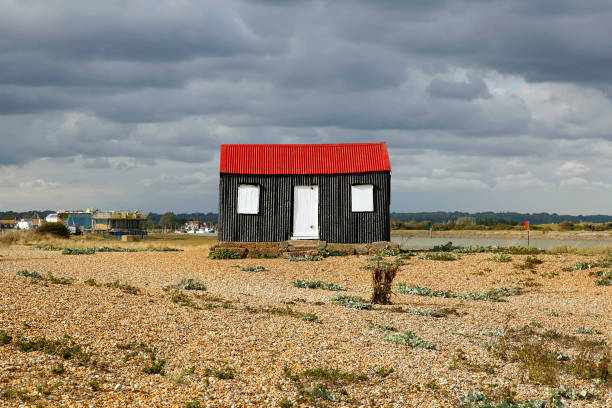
(338, 193)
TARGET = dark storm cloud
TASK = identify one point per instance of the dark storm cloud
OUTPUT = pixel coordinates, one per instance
(473, 88)
(116, 84)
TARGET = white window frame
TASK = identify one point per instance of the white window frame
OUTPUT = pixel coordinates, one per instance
(248, 199)
(362, 198)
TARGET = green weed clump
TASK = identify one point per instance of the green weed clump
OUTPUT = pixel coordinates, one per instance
(155, 366)
(50, 277)
(132, 290)
(422, 291)
(183, 300)
(225, 373)
(587, 330)
(322, 383)
(188, 284)
(408, 339)
(287, 311)
(580, 266)
(58, 281)
(109, 249)
(162, 249)
(500, 258)
(253, 269)
(354, 302)
(514, 250)
(78, 251)
(306, 284)
(326, 252)
(606, 278)
(441, 256)
(65, 348)
(476, 399)
(492, 295)
(223, 253)
(5, 338)
(305, 258)
(29, 274)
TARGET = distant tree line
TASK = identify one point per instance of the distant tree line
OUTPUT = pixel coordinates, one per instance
(10, 215)
(497, 218)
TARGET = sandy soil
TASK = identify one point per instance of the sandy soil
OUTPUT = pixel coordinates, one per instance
(241, 325)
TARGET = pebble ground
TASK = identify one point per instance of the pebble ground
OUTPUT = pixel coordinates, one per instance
(231, 327)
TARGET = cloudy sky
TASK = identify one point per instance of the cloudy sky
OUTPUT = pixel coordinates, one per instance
(485, 105)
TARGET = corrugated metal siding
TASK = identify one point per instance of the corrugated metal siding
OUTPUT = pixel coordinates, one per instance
(304, 159)
(275, 219)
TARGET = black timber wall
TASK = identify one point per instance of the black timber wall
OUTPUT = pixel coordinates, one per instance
(337, 223)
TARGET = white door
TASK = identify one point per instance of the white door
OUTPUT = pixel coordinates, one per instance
(305, 212)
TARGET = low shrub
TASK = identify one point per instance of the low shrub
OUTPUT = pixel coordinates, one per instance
(492, 295)
(253, 269)
(441, 256)
(500, 258)
(162, 249)
(317, 285)
(29, 274)
(65, 348)
(5, 338)
(77, 251)
(408, 339)
(155, 366)
(56, 229)
(306, 258)
(354, 302)
(287, 311)
(188, 284)
(183, 300)
(225, 373)
(58, 281)
(606, 278)
(132, 290)
(223, 253)
(382, 279)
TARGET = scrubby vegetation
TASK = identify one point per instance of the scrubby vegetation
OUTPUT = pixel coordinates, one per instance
(64, 348)
(253, 269)
(223, 253)
(408, 338)
(382, 279)
(354, 302)
(305, 258)
(322, 383)
(56, 229)
(188, 284)
(317, 285)
(492, 295)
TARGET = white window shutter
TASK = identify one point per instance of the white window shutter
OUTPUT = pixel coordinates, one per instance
(248, 199)
(362, 198)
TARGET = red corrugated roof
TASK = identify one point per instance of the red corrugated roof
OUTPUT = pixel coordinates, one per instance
(304, 159)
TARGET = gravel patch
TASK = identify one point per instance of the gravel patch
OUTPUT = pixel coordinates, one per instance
(250, 324)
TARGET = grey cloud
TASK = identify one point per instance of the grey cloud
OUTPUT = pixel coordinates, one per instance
(473, 88)
(154, 88)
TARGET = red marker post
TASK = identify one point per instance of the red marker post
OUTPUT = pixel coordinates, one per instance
(527, 228)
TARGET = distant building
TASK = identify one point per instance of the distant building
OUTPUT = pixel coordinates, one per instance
(338, 193)
(8, 224)
(79, 220)
(119, 223)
